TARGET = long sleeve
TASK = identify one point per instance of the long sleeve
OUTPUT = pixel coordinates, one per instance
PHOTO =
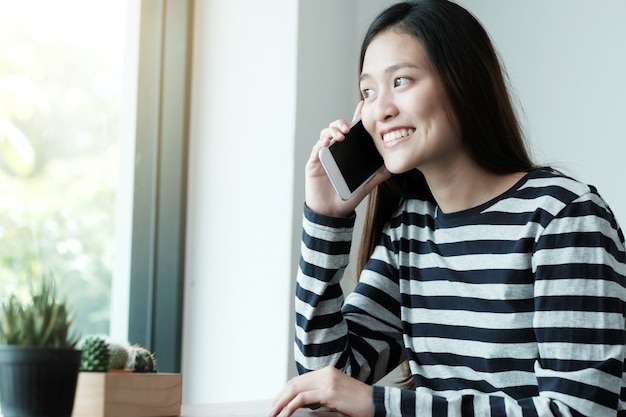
(364, 338)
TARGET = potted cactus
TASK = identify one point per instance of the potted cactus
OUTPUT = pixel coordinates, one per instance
(119, 379)
(95, 354)
(38, 360)
(100, 354)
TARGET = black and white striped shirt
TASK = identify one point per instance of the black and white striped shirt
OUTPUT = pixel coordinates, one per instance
(512, 308)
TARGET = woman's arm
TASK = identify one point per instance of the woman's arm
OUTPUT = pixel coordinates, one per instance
(338, 346)
(363, 336)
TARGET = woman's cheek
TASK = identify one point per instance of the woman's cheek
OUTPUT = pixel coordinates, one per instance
(368, 121)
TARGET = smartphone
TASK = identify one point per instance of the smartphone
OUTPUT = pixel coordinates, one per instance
(351, 162)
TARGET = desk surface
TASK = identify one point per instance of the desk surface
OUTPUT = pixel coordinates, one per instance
(244, 409)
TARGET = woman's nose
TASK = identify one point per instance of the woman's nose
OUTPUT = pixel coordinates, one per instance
(385, 106)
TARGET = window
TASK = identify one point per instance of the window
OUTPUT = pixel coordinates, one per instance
(93, 146)
(62, 79)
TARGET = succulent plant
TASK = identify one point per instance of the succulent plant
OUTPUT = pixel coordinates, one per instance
(120, 355)
(102, 354)
(41, 321)
(144, 360)
(95, 356)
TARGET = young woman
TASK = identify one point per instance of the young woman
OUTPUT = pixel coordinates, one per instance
(501, 283)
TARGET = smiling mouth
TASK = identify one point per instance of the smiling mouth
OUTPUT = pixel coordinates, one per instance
(397, 134)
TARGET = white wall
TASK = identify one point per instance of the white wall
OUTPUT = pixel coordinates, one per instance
(240, 200)
(267, 79)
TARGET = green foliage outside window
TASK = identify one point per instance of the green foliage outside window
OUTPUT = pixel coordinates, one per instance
(59, 112)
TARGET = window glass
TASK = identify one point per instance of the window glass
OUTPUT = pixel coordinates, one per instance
(61, 77)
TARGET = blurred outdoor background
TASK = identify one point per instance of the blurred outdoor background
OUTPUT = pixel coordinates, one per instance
(60, 100)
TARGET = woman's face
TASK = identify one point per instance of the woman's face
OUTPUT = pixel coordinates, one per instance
(405, 107)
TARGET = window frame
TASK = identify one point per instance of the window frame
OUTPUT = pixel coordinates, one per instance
(160, 180)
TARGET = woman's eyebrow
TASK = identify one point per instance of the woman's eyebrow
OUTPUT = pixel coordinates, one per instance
(390, 69)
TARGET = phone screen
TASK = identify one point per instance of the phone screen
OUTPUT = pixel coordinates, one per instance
(356, 156)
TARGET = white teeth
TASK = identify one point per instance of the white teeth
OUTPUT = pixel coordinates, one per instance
(397, 134)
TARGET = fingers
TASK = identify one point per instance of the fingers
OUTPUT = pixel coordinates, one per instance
(357, 111)
(287, 401)
(287, 409)
(327, 387)
(335, 131)
(302, 391)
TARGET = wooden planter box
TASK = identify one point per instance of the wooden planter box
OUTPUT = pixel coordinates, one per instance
(113, 394)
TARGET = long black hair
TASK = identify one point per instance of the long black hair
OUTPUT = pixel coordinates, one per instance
(461, 53)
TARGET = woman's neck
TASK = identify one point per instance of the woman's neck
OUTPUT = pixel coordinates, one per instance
(468, 185)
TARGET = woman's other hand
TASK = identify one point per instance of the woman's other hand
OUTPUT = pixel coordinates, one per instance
(329, 388)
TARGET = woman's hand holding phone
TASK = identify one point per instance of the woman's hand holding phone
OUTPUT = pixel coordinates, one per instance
(320, 194)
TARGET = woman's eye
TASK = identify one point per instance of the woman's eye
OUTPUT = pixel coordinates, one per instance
(367, 92)
(400, 81)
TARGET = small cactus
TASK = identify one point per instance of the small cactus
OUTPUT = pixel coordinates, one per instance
(144, 360)
(119, 355)
(100, 354)
(95, 354)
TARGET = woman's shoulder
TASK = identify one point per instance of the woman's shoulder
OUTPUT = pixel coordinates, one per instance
(549, 183)
(545, 180)
(546, 190)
